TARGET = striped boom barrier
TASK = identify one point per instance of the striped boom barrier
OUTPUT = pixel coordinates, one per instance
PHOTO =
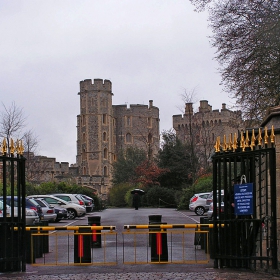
(168, 226)
(51, 228)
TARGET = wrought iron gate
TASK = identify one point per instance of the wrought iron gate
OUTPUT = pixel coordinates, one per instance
(247, 239)
(12, 217)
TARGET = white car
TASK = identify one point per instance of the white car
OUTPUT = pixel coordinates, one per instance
(69, 197)
(198, 202)
(31, 216)
(74, 210)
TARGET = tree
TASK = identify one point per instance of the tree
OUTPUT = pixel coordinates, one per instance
(30, 142)
(148, 173)
(246, 35)
(127, 161)
(175, 156)
(11, 123)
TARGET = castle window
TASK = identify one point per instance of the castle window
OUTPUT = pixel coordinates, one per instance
(220, 122)
(105, 153)
(207, 123)
(179, 127)
(104, 119)
(213, 136)
(84, 137)
(104, 136)
(150, 138)
(84, 171)
(211, 123)
(128, 138)
(105, 171)
(84, 120)
(149, 122)
(128, 121)
(84, 154)
(203, 123)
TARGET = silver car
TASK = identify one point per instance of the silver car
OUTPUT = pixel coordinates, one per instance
(31, 216)
(74, 210)
(48, 210)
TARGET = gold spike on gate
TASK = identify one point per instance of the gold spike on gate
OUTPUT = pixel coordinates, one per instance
(260, 137)
(253, 139)
(4, 146)
(12, 147)
(265, 136)
(272, 135)
(225, 143)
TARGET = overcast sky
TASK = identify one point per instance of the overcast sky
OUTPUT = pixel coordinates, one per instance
(149, 49)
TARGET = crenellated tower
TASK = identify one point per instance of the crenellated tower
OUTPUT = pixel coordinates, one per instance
(95, 149)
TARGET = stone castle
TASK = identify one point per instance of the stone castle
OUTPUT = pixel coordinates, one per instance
(104, 129)
(205, 125)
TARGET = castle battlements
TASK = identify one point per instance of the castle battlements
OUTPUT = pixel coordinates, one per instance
(98, 84)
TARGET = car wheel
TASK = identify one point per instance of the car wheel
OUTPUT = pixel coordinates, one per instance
(71, 214)
(199, 210)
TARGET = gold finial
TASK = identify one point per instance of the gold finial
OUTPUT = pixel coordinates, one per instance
(272, 135)
(242, 142)
(234, 145)
(21, 148)
(265, 136)
(225, 143)
(253, 139)
(230, 142)
(12, 147)
(247, 139)
(260, 137)
(4, 146)
(217, 145)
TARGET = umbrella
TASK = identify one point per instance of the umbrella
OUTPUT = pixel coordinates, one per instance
(139, 191)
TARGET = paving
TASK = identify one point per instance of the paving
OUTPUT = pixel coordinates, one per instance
(149, 272)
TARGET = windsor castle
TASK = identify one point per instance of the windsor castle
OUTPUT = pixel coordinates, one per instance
(104, 129)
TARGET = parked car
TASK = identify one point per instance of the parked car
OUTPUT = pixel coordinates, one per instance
(74, 198)
(29, 203)
(209, 199)
(31, 216)
(48, 210)
(74, 210)
(88, 202)
(219, 209)
(198, 202)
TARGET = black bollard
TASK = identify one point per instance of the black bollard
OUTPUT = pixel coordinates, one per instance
(96, 234)
(158, 241)
(82, 246)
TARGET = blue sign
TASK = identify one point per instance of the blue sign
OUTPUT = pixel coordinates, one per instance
(243, 199)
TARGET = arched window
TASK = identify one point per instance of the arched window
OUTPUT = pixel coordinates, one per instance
(105, 153)
(105, 171)
(84, 154)
(150, 138)
(128, 138)
(84, 137)
(84, 171)
(104, 136)
(128, 121)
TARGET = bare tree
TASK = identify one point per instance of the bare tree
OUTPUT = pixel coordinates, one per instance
(11, 123)
(246, 35)
(30, 141)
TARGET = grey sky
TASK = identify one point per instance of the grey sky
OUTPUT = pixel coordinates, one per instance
(149, 49)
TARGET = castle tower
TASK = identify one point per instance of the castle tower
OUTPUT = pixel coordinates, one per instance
(95, 150)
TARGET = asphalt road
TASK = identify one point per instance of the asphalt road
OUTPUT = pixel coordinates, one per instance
(119, 218)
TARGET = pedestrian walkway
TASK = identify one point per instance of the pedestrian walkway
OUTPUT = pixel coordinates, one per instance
(209, 275)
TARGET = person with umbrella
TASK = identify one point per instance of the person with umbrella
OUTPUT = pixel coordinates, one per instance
(136, 197)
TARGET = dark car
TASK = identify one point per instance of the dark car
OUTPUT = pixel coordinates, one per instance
(30, 203)
(88, 202)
